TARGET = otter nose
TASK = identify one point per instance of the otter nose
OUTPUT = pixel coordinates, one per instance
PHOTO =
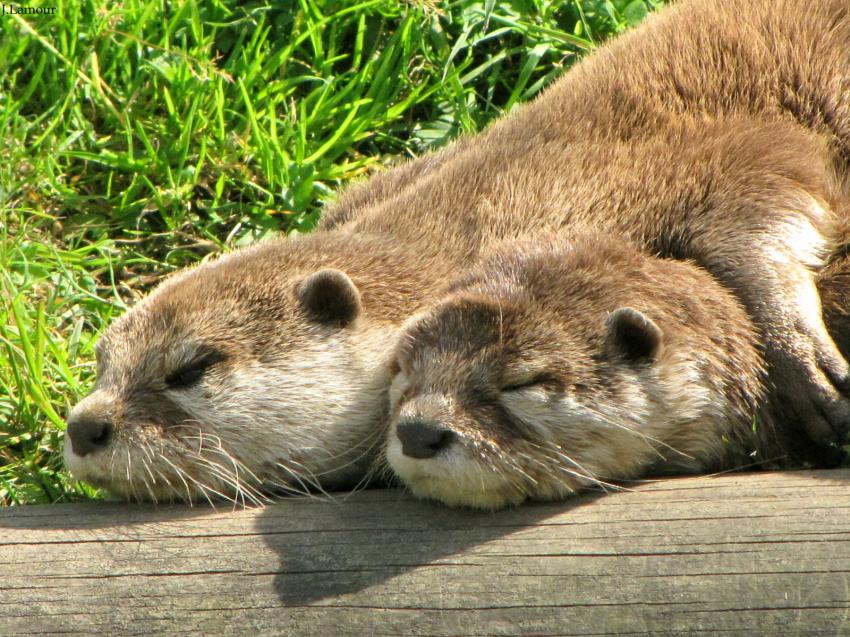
(88, 434)
(422, 439)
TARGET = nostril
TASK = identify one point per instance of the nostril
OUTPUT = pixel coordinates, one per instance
(100, 434)
(422, 439)
(88, 435)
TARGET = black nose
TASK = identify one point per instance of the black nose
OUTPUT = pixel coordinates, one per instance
(88, 434)
(422, 439)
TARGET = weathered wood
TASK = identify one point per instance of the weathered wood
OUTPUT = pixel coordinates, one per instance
(764, 553)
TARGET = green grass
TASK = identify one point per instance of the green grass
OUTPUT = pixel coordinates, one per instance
(141, 136)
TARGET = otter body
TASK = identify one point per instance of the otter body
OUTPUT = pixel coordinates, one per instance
(726, 144)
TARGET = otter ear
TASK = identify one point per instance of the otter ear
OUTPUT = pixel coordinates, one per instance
(329, 296)
(633, 335)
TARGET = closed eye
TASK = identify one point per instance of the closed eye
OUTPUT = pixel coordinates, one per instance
(542, 381)
(191, 373)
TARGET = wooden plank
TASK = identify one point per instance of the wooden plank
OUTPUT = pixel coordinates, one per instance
(739, 554)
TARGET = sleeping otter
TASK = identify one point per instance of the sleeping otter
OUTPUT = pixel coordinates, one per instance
(563, 364)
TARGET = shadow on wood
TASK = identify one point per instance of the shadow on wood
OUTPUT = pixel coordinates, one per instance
(380, 535)
(739, 554)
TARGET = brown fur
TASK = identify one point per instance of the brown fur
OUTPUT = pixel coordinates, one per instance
(511, 386)
(726, 142)
(723, 138)
(522, 378)
(834, 288)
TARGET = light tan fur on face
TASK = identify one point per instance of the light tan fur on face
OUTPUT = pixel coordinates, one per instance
(212, 449)
(593, 418)
(291, 407)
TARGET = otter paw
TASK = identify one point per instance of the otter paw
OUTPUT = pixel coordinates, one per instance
(815, 393)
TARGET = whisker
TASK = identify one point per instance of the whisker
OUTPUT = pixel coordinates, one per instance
(305, 491)
(180, 474)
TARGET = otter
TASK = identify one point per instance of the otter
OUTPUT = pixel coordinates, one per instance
(565, 364)
(728, 143)
(267, 369)
(257, 373)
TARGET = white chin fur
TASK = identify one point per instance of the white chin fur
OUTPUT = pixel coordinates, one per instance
(451, 477)
(75, 463)
(93, 468)
(89, 468)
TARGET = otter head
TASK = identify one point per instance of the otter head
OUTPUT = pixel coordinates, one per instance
(552, 369)
(255, 373)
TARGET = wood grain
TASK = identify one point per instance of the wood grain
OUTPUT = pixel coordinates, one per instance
(739, 554)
